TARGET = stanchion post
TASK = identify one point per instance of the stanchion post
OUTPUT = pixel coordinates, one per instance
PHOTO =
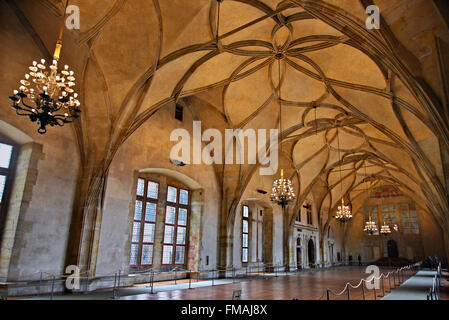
(383, 287)
(190, 279)
(213, 277)
(389, 282)
(349, 292)
(40, 284)
(118, 286)
(375, 296)
(115, 283)
(394, 280)
(175, 276)
(152, 282)
(363, 290)
(52, 287)
(328, 295)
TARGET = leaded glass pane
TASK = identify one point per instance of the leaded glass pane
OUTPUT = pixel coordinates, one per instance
(183, 197)
(245, 241)
(138, 210)
(5, 155)
(140, 187)
(150, 212)
(172, 194)
(168, 234)
(245, 226)
(245, 212)
(136, 232)
(414, 222)
(181, 235)
(167, 255)
(148, 232)
(147, 254)
(245, 255)
(180, 253)
(170, 215)
(153, 189)
(2, 186)
(182, 217)
(133, 255)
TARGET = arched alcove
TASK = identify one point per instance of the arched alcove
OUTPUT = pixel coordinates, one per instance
(166, 177)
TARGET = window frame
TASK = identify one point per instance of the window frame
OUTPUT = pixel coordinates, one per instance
(177, 205)
(144, 199)
(407, 225)
(10, 173)
(247, 234)
(309, 216)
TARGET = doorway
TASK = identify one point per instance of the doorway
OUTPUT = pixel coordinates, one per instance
(298, 253)
(392, 247)
(311, 253)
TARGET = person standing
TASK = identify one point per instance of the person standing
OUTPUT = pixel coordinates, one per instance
(360, 260)
(430, 262)
(436, 262)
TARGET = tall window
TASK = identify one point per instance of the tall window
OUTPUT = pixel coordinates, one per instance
(142, 243)
(389, 214)
(373, 212)
(409, 219)
(245, 233)
(6, 174)
(309, 215)
(176, 226)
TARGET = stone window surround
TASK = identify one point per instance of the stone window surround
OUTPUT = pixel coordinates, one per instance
(25, 177)
(193, 258)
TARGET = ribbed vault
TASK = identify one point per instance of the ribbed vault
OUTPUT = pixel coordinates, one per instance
(135, 57)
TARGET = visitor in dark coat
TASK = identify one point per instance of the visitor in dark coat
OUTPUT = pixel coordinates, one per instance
(436, 262)
(430, 262)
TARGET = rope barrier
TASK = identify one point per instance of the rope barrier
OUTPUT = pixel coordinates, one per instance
(369, 280)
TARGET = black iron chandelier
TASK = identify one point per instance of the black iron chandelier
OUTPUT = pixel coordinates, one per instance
(282, 192)
(46, 96)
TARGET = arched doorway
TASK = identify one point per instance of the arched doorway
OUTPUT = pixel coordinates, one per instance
(298, 253)
(311, 252)
(392, 247)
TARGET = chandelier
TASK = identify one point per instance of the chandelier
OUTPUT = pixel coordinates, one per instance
(344, 213)
(282, 191)
(47, 96)
(370, 226)
(385, 229)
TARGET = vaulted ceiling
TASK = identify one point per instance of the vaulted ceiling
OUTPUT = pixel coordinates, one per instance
(134, 57)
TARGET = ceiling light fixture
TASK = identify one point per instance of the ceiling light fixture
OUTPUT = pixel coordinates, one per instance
(344, 213)
(46, 96)
(282, 191)
(370, 226)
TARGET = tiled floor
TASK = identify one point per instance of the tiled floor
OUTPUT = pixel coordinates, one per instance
(311, 285)
(302, 286)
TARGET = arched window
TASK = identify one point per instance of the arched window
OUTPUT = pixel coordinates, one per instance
(161, 223)
(176, 226)
(7, 166)
(245, 233)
